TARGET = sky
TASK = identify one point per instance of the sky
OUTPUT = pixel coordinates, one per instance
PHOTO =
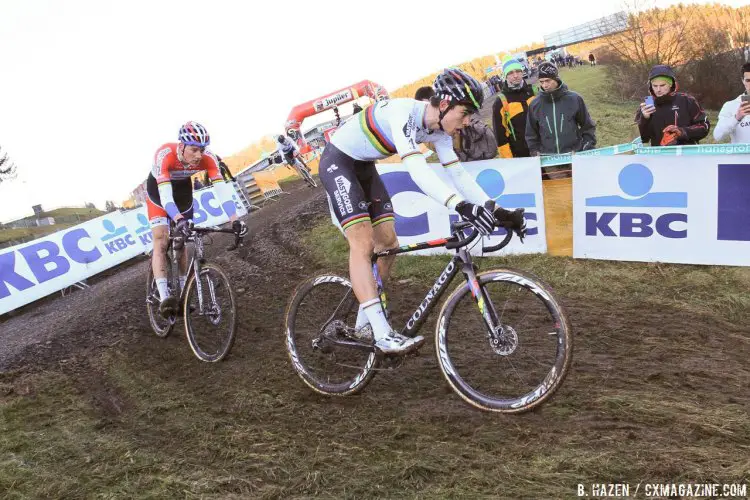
(89, 89)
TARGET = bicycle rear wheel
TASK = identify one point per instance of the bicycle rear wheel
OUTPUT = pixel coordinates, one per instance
(210, 313)
(526, 361)
(317, 318)
(161, 326)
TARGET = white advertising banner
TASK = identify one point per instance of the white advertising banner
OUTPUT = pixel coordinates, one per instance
(46, 265)
(512, 184)
(692, 210)
(36, 269)
(207, 209)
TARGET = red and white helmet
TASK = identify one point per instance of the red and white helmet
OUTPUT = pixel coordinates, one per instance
(194, 134)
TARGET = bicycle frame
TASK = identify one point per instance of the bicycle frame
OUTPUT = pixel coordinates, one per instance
(196, 261)
(461, 261)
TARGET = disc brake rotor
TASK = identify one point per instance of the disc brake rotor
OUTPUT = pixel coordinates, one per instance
(504, 341)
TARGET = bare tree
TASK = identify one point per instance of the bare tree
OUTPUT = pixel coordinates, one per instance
(654, 36)
(7, 168)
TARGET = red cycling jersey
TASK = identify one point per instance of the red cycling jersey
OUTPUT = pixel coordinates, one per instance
(167, 166)
(170, 190)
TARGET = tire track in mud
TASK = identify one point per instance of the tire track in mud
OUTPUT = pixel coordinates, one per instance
(57, 328)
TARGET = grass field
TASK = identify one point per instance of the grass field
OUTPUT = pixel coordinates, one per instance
(29, 233)
(83, 213)
(66, 213)
(658, 392)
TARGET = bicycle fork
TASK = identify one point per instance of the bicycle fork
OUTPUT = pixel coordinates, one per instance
(484, 304)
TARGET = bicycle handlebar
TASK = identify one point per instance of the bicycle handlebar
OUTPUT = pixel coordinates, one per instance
(204, 230)
(457, 241)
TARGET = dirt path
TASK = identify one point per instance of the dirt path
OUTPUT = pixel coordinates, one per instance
(56, 327)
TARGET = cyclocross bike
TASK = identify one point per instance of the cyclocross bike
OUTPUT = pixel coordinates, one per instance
(304, 171)
(208, 295)
(502, 338)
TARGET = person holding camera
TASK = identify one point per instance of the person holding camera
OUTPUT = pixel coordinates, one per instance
(667, 117)
(734, 117)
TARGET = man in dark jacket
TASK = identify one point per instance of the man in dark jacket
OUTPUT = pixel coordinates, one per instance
(509, 111)
(475, 141)
(674, 118)
(558, 120)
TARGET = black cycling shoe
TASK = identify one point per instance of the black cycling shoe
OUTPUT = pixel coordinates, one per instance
(168, 307)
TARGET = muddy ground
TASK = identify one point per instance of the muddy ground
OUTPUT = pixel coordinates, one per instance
(96, 405)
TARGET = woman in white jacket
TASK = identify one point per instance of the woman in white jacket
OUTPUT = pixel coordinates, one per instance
(734, 117)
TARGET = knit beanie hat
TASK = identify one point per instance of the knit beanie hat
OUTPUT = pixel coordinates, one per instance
(510, 64)
(548, 70)
(663, 79)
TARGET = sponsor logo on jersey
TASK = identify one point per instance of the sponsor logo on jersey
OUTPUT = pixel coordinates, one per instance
(332, 168)
(341, 195)
(410, 126)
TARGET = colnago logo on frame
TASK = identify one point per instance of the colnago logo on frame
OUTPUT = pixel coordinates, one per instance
(638, 212)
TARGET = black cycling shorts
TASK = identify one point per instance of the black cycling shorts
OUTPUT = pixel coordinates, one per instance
(354, 188)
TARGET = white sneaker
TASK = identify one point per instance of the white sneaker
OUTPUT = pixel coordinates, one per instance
(395, 343)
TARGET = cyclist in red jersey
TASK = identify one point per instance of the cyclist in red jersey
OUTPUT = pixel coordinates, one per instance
(170, 195)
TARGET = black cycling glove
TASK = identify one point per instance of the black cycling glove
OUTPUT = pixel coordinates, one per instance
(512, 221)
(480, 217)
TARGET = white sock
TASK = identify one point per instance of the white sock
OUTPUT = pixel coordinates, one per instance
(361, 318)
(163, 286)
(374, 312)
(183, 279)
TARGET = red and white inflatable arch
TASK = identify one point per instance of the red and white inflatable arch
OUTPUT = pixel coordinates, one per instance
(367, 88)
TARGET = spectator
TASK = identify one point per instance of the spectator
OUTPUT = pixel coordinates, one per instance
(509, 111)
(424, 93)
(592, 59)
(475, 141)
(734, 117)
(558, 121)
(197, 184)
(675, 118)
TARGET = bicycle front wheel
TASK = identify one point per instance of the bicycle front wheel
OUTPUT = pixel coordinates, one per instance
(319, 314)
(209, 307)
(524, 361)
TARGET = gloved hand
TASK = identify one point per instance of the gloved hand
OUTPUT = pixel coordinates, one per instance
(183, 227)
(480, 217)
(181, 232)
(672, 135)
(240, 228)
(512, 221)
